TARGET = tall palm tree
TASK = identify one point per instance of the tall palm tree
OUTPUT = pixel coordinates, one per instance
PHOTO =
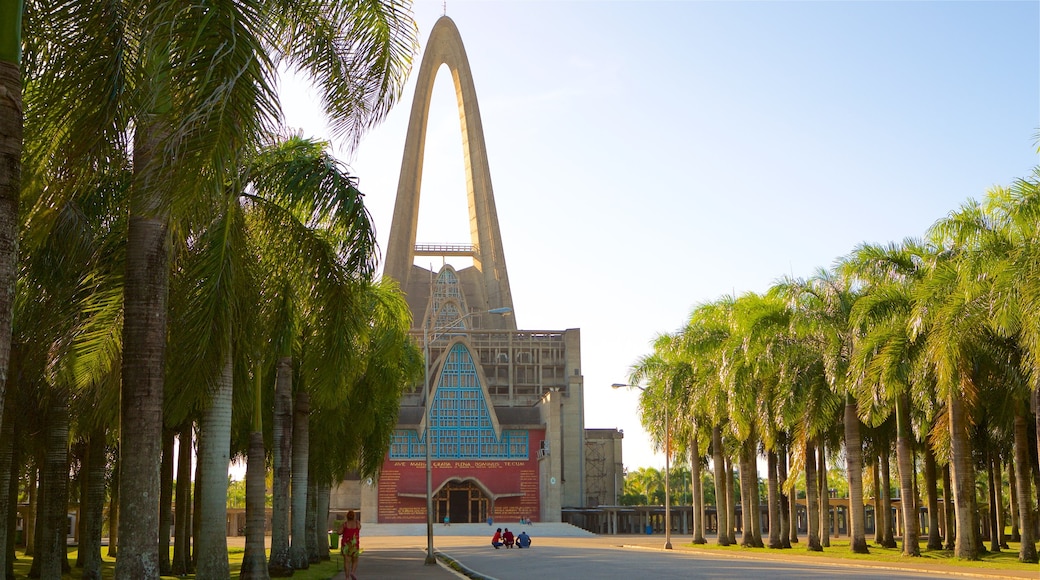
(302, 215)
(699, 345)
(188, 127)
(821, 307)
(949, 316)
(995, 243)
(887, 359)
(758, 372)
(11, 127)
(254, 560)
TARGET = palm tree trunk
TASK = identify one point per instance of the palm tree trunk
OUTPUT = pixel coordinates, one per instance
(113, 513)
(144, 343)
(1036, 486)
(1016, 534)
(811, 501)
(282, 466)
(6, 470)
(254, 562)
(165, 501)
(963, 476)
(889, 540)
(300, 450)
(854, 469)
(773, 501)
(951, 520)
(731, 501)
(719, 465)
(40, 517)
(879, 520)
(181, 564)
(214, 457)
(51, 553)
(788, 530)
(1020, 478)
(12, 500)
(322, 497)
(698, 492)
(93, 505)
(905, 459)
(33, 492)
(991, 517)
(930, 477)
(78, 453)
(1036, 413)
(313, 556)
(999, 490)
(11, 129)
(825, 508)
(196, 505)
(752, 536)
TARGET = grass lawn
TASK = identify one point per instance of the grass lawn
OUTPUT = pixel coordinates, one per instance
(839, 548)
(322, 571)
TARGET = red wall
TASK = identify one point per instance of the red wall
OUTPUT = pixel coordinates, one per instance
(500, 476)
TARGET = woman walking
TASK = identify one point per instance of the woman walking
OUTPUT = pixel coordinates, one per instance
(350, 544)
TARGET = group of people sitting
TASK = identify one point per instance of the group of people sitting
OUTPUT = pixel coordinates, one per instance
(506, 539)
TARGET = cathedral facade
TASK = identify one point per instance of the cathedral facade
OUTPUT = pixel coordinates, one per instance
(501, 414)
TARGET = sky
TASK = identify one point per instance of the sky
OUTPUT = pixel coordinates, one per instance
(647, 157)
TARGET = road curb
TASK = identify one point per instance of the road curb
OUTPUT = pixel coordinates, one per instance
(460, 569)
(997, 575)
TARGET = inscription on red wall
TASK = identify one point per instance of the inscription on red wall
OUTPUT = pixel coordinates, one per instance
(402, 485)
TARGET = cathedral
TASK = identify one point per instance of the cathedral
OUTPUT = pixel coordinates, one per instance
(498, 426)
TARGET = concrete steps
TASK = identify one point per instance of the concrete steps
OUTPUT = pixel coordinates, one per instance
(540, 529)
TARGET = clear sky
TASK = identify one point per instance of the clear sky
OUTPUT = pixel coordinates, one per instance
(650, 156)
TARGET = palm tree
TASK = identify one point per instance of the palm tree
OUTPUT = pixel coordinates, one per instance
(357, 53)
(11, 127)
(887, 359)
(818, 361)
(949, 317)
(699, 346)
(759, 371)
(995, 242)
(254, 561)
(293, 184)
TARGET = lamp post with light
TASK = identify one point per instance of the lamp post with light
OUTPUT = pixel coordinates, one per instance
(667, 495)
(430, 558)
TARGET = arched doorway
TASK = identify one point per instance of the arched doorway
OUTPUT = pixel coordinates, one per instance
(463, 502)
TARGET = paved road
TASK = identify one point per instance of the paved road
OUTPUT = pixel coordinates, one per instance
(389, 556)
(612, 563)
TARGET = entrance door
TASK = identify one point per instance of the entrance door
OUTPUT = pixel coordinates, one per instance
(458, 505)
(462, 502)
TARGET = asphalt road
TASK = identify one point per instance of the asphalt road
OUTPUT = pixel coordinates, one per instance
(572, 562)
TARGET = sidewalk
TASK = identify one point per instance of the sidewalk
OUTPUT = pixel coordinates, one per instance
(400, 564)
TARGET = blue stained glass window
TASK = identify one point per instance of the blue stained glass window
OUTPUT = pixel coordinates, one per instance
(460, 424)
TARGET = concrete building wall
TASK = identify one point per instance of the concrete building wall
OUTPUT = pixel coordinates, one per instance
(604, 469)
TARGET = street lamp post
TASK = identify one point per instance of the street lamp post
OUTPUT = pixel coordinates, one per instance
(667, 447)
(430, 558)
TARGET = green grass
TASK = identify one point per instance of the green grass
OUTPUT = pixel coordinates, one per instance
(322, 571)
(839, 548)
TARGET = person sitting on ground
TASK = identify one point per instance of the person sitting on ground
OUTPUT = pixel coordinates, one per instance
(496, 540)
(507, 538)
(523, 540)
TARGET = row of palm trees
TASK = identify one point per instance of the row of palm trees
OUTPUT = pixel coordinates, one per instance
(929, 346)
(185, 267)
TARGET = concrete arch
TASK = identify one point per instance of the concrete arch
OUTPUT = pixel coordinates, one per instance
(445, 48)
